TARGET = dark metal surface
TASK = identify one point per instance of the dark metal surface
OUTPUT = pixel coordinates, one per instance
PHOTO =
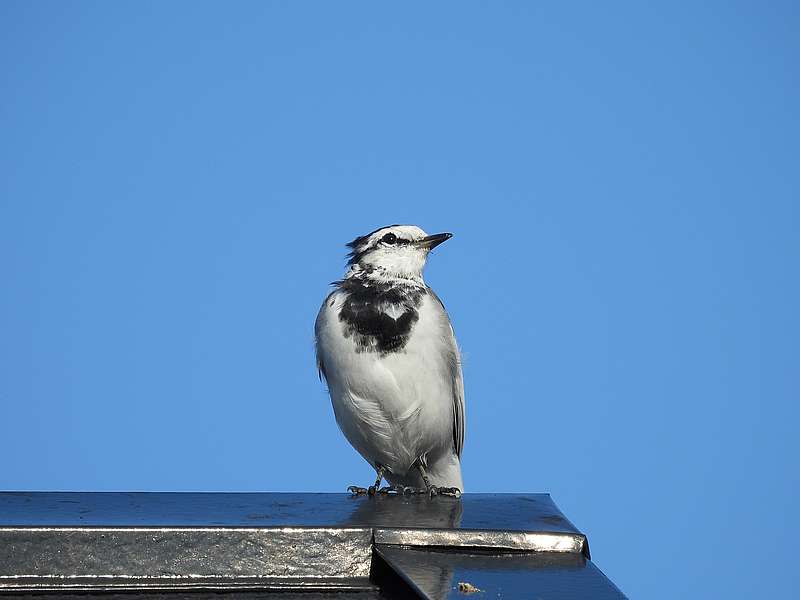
(75, 585)
(511, 521)
(84, 558)
(507, 512)
(371, 594)
(436, 574)
(105, 542)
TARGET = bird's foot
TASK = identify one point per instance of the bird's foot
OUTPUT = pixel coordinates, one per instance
(357, 490)
(453, 492)
(433, 491)
(406, 490)
(399, 490)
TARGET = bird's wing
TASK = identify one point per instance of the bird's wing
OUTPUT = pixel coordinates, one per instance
(321, 368)
(459, 423)
(317, 325)
(457, 381)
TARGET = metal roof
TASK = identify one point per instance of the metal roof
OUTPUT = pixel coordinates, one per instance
(506, 545)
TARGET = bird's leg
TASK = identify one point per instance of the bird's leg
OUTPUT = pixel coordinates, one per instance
(379, 477)
(434, 490)
(393, 490)
(431, 489)
(360, 491)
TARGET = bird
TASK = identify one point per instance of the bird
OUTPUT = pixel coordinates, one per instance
(388, 353)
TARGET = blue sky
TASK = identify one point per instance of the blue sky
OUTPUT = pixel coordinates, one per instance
(178, 181)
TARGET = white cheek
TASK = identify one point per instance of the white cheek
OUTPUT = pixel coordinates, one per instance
(409, 261)
(416, 261)
(400, 261)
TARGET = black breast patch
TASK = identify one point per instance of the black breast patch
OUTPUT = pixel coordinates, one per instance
(365, 318)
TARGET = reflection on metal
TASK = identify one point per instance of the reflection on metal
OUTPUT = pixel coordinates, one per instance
(23, 586)
(203, 593)
(435, 575)
(511, 512)
(302, 542)
(498, 540)
(135, 557)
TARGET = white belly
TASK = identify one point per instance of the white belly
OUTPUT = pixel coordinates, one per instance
(393, 407)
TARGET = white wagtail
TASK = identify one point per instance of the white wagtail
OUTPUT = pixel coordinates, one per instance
(386, 348)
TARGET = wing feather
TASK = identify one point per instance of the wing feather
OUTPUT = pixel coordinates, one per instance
(457, 382)
(318, 324)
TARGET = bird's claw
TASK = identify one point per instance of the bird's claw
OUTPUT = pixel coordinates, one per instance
(399, 490)
(453, 492)
(431, 491)
(404, 490)
(435, 490)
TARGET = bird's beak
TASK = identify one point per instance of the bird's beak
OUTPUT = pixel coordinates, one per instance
(430, 242)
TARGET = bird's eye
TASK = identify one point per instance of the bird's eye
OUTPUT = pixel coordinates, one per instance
(389, 238)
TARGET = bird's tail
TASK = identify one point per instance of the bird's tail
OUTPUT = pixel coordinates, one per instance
(446, 472)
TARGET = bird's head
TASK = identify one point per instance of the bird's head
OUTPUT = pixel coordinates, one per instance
(394, 251)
